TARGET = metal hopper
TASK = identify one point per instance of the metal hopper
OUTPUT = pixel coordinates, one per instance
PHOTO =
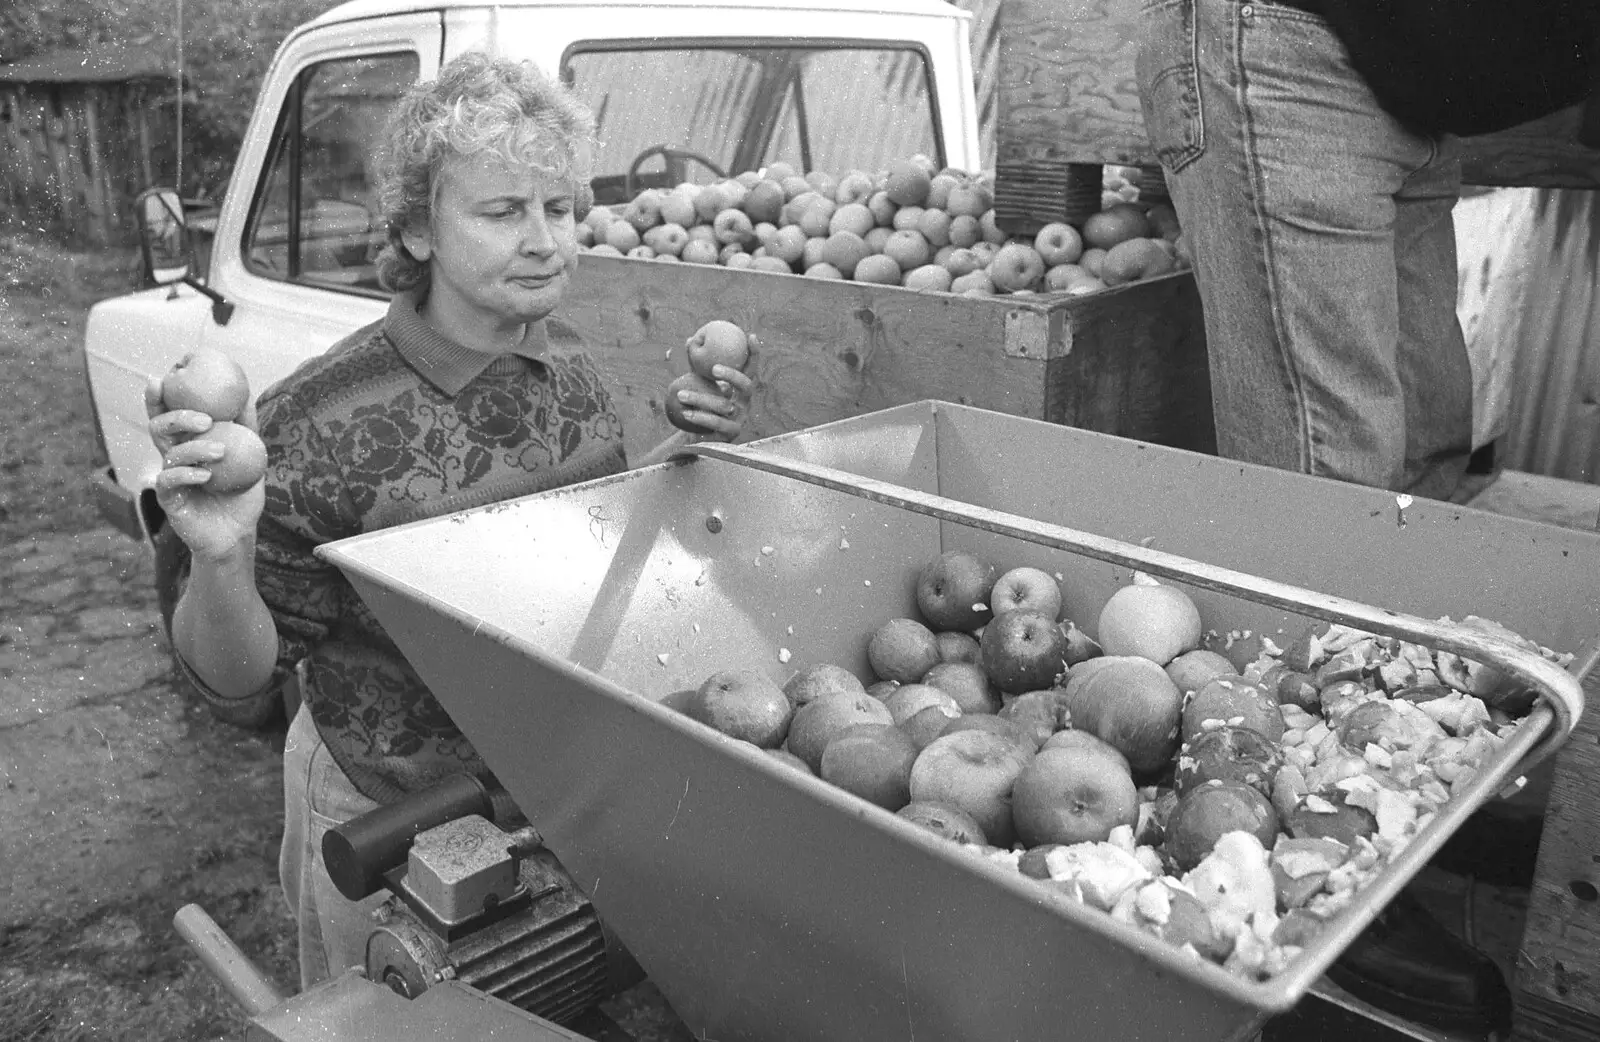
(768, 905)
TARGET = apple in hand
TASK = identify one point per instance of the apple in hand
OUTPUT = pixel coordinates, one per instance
(953, 591)
(206, 380)
(675, 407)
(1024, 587)
(718, 342)
(1023, 650)
(244, 458)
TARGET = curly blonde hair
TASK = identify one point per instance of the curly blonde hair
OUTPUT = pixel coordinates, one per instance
(477, 104)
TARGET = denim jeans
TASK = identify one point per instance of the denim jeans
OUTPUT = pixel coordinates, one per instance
(1323, 247)
(317, 796)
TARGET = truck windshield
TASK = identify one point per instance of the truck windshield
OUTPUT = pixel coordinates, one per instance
(673, 112)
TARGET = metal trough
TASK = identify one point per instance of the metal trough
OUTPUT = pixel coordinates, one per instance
(770, 906)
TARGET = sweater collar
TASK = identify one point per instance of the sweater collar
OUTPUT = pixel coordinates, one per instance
(441, 361)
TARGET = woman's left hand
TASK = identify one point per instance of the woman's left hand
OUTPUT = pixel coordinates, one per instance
(723, 414)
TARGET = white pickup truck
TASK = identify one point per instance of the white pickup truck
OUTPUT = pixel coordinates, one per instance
(681, 89)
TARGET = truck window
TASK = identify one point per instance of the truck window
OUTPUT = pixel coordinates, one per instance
(740, 106)
(316, 218)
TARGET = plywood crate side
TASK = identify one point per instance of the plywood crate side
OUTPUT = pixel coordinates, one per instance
(1120, 361)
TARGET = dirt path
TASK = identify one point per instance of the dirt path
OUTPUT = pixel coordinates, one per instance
(119, 799)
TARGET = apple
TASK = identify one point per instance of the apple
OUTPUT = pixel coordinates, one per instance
(1130, 703)
(743, 704)
(852, 217)
(883, 209)
(1231, 700)
(872, 761)
(1011, 730)
(644, 210)
(906, 218)
(816, 723)
(929, 723)
(1192, 669)
(1156, 621)
(974, 770)
(934, 226)
(815, 218)
(796, 186)
(966, 200)
(1058, 243)
(1211, 812)
(733, 227)
(878, 270)
(690, 381)
(789, 759)
(789, 244)
(702, 233)
(206, 380)
(907, 700)
(929, 278)
(1116, 223)
(605, 249)
(877, 238)
(699, 250)
(779, 171)
(956, 646)
(737, 259)
(771, 264)
(1072, 738)
(992, 232)
(244, 458)
(1026, 587)
(952, 591)
(962, 261)
(854, 187)
(965, 231)
(585, 235)
(908, 183)
(945, 820)
(902, 650)
(730, 251)
(986, 252)
(622, 236)
(667, 238)
(718, 342)
(641, 253)
(793, 208)
(967, 683)
(677, 207)
(844, 250)
(1015, 267)
(822, 182)
(1228, 754)
(908, 249)
(1072, 796)
(939, 188)
(822, 678)
(1023, 650)
(1044, 712)
(764, 202)
(822, 270)
(975, 283)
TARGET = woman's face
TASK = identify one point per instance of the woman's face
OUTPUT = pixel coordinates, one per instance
(502, 241)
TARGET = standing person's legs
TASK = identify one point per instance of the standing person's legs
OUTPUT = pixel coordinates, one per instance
(1435, 368)
(316, 796)
(1284, 171)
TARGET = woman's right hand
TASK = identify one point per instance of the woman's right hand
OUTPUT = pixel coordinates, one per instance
(211, 524)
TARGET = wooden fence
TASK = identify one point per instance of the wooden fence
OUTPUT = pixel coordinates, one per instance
(74, 155)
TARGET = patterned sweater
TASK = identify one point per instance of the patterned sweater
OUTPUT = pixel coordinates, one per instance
(393, 424)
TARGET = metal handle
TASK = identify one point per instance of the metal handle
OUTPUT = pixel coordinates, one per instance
(358, 852)
(1559, 688)
(241, 977)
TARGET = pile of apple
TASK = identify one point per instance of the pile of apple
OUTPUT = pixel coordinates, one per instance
(912, 225)
(1218, 790)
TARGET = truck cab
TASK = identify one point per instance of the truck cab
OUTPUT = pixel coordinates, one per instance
(682, 90)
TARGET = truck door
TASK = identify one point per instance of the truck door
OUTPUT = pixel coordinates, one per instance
(302, 227)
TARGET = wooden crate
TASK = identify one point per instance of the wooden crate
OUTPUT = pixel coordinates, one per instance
(1128, 361)
(1068, 103)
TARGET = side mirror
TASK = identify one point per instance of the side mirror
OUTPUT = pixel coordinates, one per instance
(163, 237)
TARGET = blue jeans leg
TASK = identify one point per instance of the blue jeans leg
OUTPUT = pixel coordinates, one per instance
(332, 931)
(1322, 243)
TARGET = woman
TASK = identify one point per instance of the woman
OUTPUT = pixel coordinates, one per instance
(465, 393)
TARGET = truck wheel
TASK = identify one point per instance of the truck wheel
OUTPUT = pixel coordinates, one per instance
(263, 713)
